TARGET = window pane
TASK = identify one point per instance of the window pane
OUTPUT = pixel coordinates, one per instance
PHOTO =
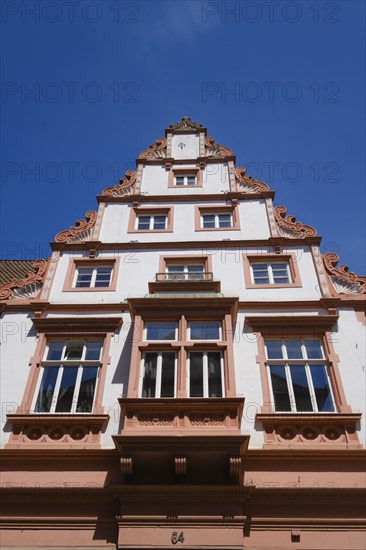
(208, 221)
(143, 222)
(301, 388)
(103, 277)
(205, 331)
(74, 350)
(168, 374)
(279, 388)
(274, 349)
(149, 381)
(313, 349)
(196, 374)
(280, 274)
(321, 388)
(179, 180)
(260, 274)
(224, 220)
(294, 350)
(47, 387)
(159, 222)
(195, 272)
(67, 388)
(160, 331)
(191, 180)
(55, 351)
(214, 374)
(176, 273)
(87, 389)
(84, 277)
(93, 351)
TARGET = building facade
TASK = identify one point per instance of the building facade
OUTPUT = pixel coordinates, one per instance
(185, 371)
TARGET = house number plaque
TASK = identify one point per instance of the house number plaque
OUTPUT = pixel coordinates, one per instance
(177, 537)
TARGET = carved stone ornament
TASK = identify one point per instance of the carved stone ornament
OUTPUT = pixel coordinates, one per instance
(234, 468)
(247, 184)
(126, 466)
(82, 231)
(289, 227)
(186, 124)
(213, 149)
(155, 151)
(344, 281)
(27, 288)
(125, 186)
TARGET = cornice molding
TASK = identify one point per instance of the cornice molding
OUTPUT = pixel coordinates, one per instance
(75, 325)
(247, 184)
(289, 227)
(28, 287)
(343, 281)
(124, 187)
(82, 231)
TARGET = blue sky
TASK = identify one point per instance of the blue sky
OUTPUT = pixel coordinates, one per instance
(281, 83)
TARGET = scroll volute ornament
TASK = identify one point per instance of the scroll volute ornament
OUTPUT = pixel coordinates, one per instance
(155, 151)
(289, 227)
(352, 283)
(214, 149)
(247, 183)
(125, 186)
(82, 231)
(33, 281)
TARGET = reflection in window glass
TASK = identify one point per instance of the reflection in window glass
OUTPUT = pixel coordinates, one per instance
(196, 375)
(93, 351)
(103, 276)
(167, 374)
(214, 374)
(205, 331)
(160, 331)
(67, 389)
(55, 351)
(46, 390)
(321, 387)
(84, 277)
(294, 350)
(149, 380)
(274, 349)
(300, 388)
(313, 349)
(280, 388)
(87, 390)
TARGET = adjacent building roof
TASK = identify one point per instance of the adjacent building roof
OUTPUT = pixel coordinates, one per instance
(15, 269)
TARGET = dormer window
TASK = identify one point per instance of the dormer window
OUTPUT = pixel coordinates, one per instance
(185, 177)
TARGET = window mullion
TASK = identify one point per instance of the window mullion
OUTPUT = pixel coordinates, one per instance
(205, 374)
(77, 389)
(158, 375)
(57, 388)
(151, 223)
(311, 387)
(290, 388)
(93, 278)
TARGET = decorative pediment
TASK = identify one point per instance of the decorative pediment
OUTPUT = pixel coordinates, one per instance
(26, 288)
(344, 281)
(125, 186)
(247, 184)
(289, 227)
(155, 151)
(186, 125)
(213, 149)
(82, 231)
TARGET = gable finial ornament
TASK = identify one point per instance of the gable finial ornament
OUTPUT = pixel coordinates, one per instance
(82, 231)
(344, 281)
(186, 124)
(28, 287)
(216, 150)
(155, 151)
(289, 227)
(124, 187)
(247, 184)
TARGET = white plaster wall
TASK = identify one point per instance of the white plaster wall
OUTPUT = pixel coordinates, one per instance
(349, 344)
(18, 343)
(215, 179)
(190, 149)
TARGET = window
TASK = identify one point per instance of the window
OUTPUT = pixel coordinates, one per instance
(298, 375)
(205, 374)
(69, 378)
(210, 221)
(150, 219)
(185, 180)
(188, 272)
(209, 330)
(270, 273)
(158, 374)
(161, 331)
(217, 218)
(152, 222)
(93, 277)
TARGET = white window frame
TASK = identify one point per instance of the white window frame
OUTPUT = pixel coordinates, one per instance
(205, 372)
(151, 222)
(185, 271)
(157, 322)
(93, 277)
(62, 364)
(306, 362)
(205, 339)
(185, 180)
(216, 217)
(158, 373)
(270, 273)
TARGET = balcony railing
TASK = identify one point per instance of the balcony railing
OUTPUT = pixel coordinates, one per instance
(179, 277)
